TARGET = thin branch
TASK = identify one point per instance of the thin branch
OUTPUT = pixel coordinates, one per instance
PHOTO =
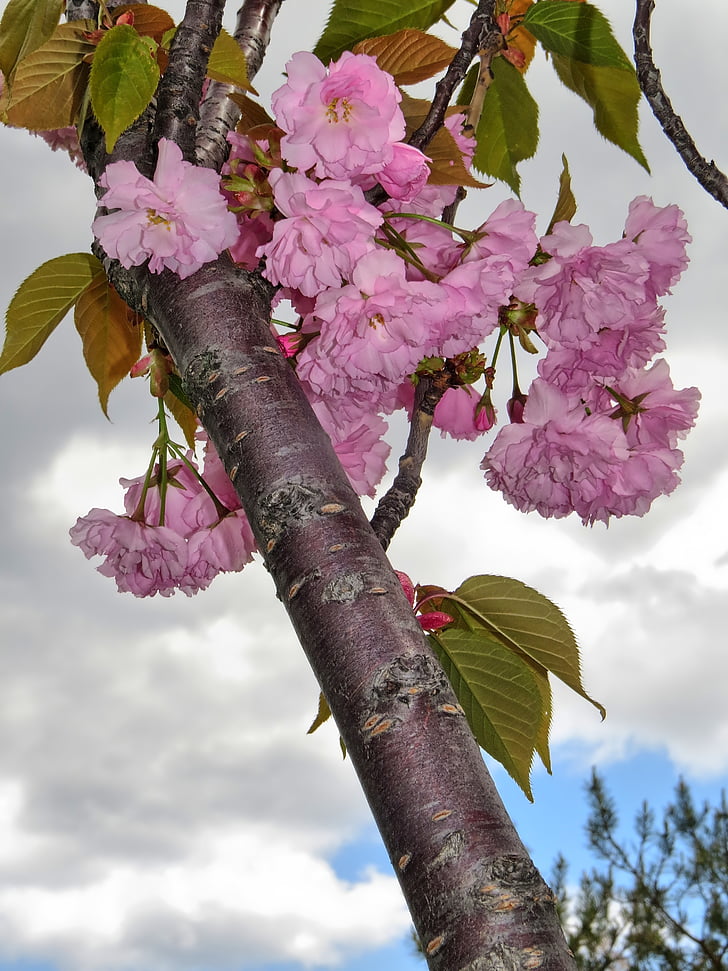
(396, 503)
(219, 114)
(481, 35)
(180, 90)
(82, 10)
(707, 173)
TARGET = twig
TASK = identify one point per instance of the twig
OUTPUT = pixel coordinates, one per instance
(396, 503)
(180, 90)
(484, 81)
(707, 173)
(81, 10)
(219, 114)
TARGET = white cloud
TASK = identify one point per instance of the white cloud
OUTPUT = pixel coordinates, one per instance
(657, 662)
(272, 900)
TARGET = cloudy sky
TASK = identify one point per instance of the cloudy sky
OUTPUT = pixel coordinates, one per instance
(161, 806)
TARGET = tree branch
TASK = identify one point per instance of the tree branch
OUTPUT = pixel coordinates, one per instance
(707, 173)
(219, 114)
(180, 89)
(481, 35)
(395, 504)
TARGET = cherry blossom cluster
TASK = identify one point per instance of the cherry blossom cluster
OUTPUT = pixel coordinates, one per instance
(175, 535)
(598, 434)
(384, 290)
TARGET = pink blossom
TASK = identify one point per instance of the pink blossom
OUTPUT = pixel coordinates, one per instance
(328, 229)
(187, 506)
(65, 140)
(576, 369)
(660, 235)
(224, 547)
(373, 332)
(465, 142)
(433, 245)
(198, 542)
(255, 230)
(557, 460)
(404, 176)
(342, 122)
(662, 415)
(484, 281)
(561, 459)
(358, 439)
(214, 474)
(178, 219)
(472, 293)
(509, 234)
(144, 560)
(585, 289)
(429, 201)
(455, 414)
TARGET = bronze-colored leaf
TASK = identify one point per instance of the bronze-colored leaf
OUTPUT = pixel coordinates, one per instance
(408, 55)
(150, 21)
(50, 84)
(111, 336)
(183, 415)
(252, 114)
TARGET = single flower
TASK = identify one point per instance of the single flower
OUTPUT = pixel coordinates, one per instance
(178, 220)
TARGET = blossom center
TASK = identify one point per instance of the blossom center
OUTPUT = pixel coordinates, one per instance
(376, 321)
(156, 219)
(339, 109)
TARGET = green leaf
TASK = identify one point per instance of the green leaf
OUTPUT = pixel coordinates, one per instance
(409, 55)
(507, 132)
(112, 339)
(352, 21)
(124, 77)
(25, 26)
(41, 302)
(499, 694)
(576, 30)
(49, 84)
(227, 62)
(613, 95)
(565, 203)
(526, 622)
(467, 88)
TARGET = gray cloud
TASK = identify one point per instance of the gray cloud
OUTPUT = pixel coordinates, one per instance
(160, 804)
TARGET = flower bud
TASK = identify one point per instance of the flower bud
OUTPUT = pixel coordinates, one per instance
(515, 406)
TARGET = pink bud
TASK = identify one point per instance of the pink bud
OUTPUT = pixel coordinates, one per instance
(517, 58)
(141, 367)
(515, 406)
(485, 417)
(288, 343)
(504, 22)
(407, 586)
(435, 620)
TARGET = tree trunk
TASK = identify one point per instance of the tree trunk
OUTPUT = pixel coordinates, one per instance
(477, 900)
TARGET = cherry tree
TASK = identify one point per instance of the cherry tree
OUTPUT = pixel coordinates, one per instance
(288, 276)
